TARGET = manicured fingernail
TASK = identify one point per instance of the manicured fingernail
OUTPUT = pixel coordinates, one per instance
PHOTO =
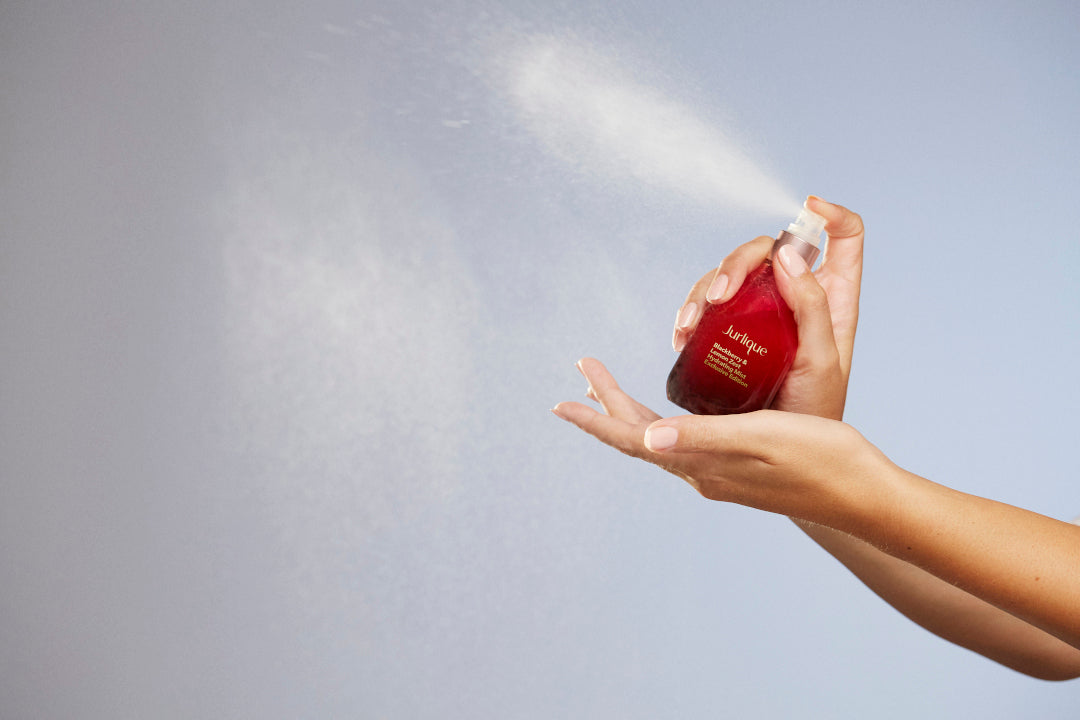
(792, 261)
(558, 412)
(678, 340)
(591, 394)
(687, 316)
(661, 438)
(717, 288)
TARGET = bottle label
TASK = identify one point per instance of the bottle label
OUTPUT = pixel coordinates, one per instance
(743, 338)
(739, 353)
(726, 363)
(729, 363)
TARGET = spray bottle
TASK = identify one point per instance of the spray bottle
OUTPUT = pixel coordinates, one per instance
(742, 349)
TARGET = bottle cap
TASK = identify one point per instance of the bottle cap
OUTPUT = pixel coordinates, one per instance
(808, 226)
(803, 235)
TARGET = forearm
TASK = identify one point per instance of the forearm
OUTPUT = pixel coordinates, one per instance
(949, 612)
(1023, 563)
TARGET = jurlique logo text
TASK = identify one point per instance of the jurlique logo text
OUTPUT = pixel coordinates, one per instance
(744, 339)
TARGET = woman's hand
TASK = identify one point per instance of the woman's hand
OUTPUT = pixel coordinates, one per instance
(825, 304)
(780, 462)
(990, 577)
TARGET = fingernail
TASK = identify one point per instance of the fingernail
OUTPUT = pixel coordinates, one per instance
(661, 438)
(815, 200)
(678, 340)
(717, 288)
(687, 316)
(557, 412)
(792, 261)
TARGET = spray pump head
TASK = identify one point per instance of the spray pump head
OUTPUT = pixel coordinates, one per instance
(807, 226)
(803, 235)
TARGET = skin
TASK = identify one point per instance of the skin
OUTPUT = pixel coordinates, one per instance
(990, 577)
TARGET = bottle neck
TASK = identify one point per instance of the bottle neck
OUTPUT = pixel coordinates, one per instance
(808, 251)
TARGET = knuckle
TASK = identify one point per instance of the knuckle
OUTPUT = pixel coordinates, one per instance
(693, 437)
(823, 362)
(810, 300)
(748, 254)
(852, 223)
(817, 299)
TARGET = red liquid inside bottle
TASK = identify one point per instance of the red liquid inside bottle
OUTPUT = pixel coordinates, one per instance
(742, 349)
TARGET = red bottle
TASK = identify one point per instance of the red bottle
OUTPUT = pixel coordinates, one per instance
(742, 349)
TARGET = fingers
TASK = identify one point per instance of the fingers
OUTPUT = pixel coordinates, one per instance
(844, 252)
(686, 319)
(736, 266)
(839, 221)
(810, 305)
(768, 436)
(612, 431)
(843, 257)
(718, 286)
(717, 434)
(840, 272)
(623, 423)
(604, 389)
(776, 461)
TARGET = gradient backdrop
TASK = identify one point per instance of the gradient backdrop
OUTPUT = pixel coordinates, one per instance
(287, 290)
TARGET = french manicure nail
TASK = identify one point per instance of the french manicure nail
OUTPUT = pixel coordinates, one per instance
(661, 438)
(687, 316)
(717, 288)
(792, 261)
(678, 340)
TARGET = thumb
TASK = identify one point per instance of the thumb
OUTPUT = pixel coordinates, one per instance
(717, 434)
(810, 305)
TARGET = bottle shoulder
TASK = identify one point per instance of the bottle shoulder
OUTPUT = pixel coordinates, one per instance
(759, 290)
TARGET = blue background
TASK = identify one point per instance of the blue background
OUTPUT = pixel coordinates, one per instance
(286, 293)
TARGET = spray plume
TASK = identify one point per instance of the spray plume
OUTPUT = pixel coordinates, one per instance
(588, 111)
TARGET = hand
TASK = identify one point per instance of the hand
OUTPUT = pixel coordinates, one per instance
(990, 577)
(798, 465)
(825, 304)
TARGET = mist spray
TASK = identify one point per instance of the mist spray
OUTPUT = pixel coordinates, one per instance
(742, 349)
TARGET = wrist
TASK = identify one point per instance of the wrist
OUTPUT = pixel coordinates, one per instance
(863, 496)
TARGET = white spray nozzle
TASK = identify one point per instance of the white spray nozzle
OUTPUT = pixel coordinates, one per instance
(807, 226)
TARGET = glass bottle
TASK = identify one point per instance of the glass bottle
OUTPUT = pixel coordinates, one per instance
(741, 350)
